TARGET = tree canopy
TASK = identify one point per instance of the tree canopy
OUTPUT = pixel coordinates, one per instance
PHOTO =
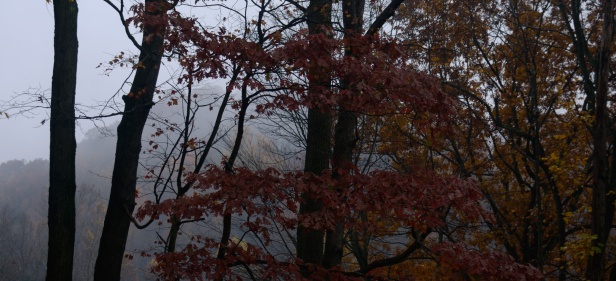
(361, 140)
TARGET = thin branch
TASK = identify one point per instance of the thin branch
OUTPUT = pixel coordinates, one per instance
(397, 258)
(135, 222)
(121, 14)
(381, 19)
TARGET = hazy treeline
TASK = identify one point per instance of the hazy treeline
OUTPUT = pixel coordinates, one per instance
(23, 214)
(23, 208)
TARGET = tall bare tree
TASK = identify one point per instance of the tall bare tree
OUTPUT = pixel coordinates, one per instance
(62, 143)
(137, 106)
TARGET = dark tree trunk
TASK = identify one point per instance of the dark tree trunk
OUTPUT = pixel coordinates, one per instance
(310, 241)
(137, 107)
(344, 142)
(226, 229)
(600, 225)
(61, 216)
(318, 146)
(345, 135)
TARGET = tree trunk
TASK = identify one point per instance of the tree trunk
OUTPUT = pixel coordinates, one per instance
(137, 107)
(310, 241)
(61, 216)
(345, 135)
(600, 227)
(342, 159)
(226, 229)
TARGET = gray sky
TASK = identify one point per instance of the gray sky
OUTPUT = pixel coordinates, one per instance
(26, 61)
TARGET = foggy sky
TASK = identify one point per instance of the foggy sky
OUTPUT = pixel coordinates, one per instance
(26, 61)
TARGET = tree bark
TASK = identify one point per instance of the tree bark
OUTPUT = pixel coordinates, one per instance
(310, 241)
(61, 216)
(345, 135)
(136, 109)
(600, 226)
